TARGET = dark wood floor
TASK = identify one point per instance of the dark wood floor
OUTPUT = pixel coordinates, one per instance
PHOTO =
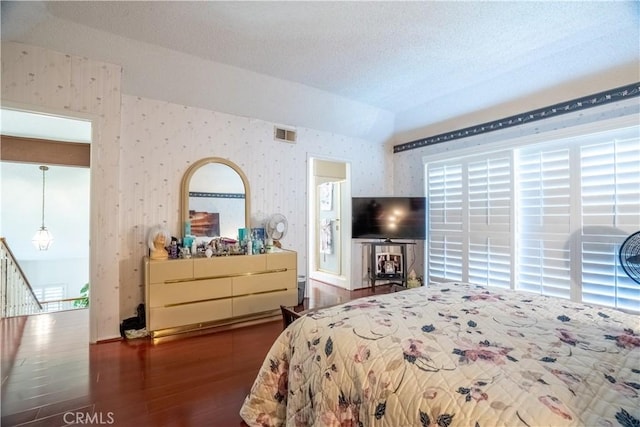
(52, 377)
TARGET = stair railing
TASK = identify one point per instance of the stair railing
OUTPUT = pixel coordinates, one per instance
(16, 294)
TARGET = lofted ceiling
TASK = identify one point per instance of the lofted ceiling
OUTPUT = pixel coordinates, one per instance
(416, 60)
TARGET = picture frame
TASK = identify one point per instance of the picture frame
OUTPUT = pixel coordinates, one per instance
(204, 224)
(396, 260)
(389, 264)
(258, 233)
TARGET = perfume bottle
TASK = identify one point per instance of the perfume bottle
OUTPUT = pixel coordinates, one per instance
(249, 246)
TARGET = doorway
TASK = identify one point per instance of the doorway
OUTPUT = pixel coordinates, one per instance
(329, 221)
(59, 275)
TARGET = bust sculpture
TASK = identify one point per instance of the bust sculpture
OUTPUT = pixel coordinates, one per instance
(157, 241)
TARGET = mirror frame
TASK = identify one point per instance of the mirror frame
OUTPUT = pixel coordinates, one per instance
(186, 180)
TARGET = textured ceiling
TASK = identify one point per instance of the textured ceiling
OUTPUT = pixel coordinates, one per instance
(396, 56)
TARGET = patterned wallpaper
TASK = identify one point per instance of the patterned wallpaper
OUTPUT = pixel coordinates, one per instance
(141, 149)
(40, 80)
(160, 140)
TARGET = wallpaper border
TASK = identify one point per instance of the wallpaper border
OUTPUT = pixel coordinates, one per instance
(612, 95)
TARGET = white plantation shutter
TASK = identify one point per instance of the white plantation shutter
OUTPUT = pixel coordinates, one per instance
(445, 256)
(489, 190)
(445, 221)
(489, 261)
(610, 200)
(546, 217)
(544, 199)
(470, 220)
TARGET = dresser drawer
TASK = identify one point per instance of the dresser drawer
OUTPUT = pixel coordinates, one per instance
(245, 285)
(189, 314)
(165, 271)
(280, 260)
(228, 265)
(263, 302)
(162, 294)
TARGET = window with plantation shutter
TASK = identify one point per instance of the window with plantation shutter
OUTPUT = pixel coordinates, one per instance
(470, 220)
(489, 214)
(445, 221)
(610, 202)
(546, 217)
(543, 195)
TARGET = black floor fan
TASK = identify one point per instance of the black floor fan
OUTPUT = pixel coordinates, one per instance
(630, 256)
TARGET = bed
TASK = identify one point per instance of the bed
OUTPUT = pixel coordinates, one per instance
(452, 355)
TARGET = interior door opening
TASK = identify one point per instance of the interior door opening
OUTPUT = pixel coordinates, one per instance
(59, 275)
(329, 204)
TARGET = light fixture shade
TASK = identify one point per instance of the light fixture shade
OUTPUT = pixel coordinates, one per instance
(42, 239)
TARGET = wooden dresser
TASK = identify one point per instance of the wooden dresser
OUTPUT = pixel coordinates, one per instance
(185, 295)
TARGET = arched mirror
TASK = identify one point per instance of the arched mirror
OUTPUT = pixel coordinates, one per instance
(215, 198)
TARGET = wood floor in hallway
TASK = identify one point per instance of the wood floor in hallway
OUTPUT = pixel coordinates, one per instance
(52, 377)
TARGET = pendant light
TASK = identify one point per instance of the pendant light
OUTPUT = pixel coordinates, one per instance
(43, 238)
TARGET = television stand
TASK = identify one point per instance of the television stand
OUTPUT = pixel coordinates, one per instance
(387, 262)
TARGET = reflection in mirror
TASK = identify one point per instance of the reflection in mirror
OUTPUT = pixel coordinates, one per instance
(215, 195)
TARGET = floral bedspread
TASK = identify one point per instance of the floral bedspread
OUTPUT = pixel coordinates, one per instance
(452, 355)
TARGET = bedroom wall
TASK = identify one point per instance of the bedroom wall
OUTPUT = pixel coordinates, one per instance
(140, 151)
(409, 165)
(161, 139)
(154, 72)
(41, 80)
(538, 97)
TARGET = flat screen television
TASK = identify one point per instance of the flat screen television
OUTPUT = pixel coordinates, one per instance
(389, 218)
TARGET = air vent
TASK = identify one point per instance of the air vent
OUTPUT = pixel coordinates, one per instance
(285, 135)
